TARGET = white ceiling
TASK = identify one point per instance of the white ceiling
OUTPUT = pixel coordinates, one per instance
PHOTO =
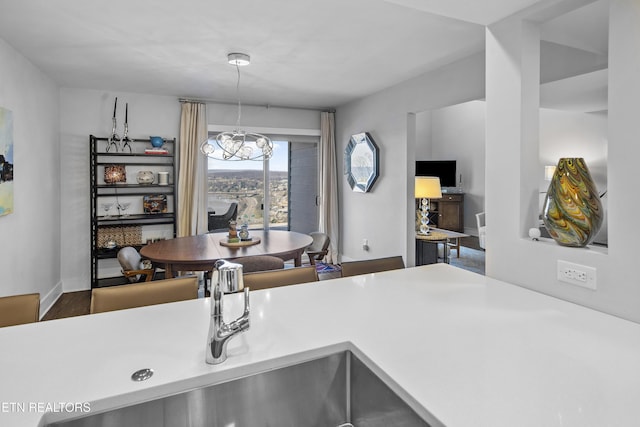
(585, 28)
(304, 53)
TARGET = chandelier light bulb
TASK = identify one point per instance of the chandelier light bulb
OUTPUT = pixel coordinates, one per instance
(207, 148)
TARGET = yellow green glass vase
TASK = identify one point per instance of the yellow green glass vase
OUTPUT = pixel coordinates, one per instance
(572, 210)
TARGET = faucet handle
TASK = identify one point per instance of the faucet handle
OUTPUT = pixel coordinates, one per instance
(229, 276)
(242, 322)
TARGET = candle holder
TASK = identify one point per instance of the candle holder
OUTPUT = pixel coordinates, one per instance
(114, 138)
(124, 141)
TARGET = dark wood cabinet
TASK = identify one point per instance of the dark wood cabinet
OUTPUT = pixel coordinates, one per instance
(448, 212)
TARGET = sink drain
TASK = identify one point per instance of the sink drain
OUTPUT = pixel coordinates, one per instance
(142, 374)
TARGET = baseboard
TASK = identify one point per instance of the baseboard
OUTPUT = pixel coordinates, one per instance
(48, 300)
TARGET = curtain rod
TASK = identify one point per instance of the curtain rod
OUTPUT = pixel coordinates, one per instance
(213, 101)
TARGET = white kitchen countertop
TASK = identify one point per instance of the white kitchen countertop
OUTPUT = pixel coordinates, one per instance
(472, 351)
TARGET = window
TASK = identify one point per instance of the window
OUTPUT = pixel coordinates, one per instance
(286, 202)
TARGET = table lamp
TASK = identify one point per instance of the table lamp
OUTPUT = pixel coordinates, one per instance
(427, 187)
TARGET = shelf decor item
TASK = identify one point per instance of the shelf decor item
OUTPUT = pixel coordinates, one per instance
(244, 232)
(145, 177)
(114, 138)
(114, 174)
(154, 204)
(120, 235)
(156, 141)
(534, 233)
(163, 178)
(125, 141)
(233, 232)
(572, 210)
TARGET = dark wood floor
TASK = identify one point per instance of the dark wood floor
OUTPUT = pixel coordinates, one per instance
(71, 304)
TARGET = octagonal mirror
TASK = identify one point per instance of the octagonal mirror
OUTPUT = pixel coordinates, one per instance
(361, 162)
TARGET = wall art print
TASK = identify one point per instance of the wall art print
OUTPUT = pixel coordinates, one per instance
(6, 161)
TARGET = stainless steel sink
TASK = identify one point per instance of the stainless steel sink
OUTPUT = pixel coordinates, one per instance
(335, 390)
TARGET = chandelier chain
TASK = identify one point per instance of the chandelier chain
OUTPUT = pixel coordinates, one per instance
(238, 96)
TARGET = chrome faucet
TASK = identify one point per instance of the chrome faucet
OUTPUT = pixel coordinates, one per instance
(229, 279)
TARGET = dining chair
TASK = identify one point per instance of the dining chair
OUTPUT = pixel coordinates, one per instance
(133, 267)
(318, 249)
(143, 294)
(275, 278)
(482, 229)
(19, 309)
(352, 268)
(259, 263)
(221, 222)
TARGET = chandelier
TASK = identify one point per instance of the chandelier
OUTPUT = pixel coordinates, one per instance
(238, 144)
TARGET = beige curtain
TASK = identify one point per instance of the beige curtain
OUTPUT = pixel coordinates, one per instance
(329, 184)
(192, 176)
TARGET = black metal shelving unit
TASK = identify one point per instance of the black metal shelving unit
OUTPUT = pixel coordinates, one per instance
(99, 158)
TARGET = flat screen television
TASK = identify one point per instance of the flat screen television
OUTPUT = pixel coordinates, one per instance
(443, 169)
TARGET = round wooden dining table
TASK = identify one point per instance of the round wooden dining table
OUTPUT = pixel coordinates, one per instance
(199, 253)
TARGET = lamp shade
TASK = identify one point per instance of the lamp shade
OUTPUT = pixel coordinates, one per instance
(548, 172)
(428, 187)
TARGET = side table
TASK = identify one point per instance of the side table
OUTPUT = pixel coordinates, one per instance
(427, 247)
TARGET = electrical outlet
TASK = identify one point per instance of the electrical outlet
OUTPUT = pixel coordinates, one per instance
(576, 274)
(365, 244)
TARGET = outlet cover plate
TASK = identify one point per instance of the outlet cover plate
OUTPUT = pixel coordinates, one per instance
(577, 274)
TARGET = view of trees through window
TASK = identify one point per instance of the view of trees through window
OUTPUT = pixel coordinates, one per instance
(243, 182)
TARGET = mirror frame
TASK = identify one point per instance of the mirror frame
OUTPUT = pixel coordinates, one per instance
(354, 141)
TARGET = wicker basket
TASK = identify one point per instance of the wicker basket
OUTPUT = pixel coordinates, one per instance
(123, 236)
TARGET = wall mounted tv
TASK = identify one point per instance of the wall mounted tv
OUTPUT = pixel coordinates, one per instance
(443, 169)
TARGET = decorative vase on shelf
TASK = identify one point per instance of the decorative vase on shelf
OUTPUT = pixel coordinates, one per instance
(145, 177)
(156, 141)
(572, 210)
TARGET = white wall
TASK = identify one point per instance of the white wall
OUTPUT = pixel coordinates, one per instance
(85, 112)
(458, 133)
(30, 236)
(384, 216)
(510, 110)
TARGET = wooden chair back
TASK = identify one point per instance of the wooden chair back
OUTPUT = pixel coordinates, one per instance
(132, 268)
(275, 278)
(19, 309)
(319, 248)
(353, 268)
(143, 294)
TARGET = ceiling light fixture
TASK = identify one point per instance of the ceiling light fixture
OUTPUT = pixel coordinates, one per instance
(239, 144)
(239, 59)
